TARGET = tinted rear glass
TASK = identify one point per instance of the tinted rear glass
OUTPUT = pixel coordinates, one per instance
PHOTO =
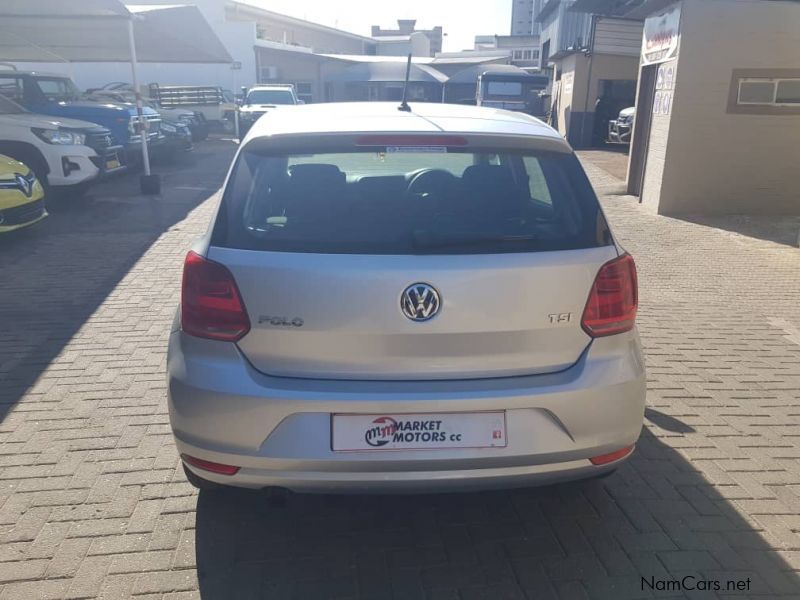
(409, 201)
(270, 97)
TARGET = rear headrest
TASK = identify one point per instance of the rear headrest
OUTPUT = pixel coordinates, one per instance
(491, 187)
(316, 175)
(484, 175)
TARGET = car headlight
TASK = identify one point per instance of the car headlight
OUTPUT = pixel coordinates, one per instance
(168, 128)
(60, 136)
(186, 118)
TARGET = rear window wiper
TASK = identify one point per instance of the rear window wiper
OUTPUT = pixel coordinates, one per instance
(427, 240)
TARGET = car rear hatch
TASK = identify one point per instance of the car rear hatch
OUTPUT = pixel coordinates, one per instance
(359, 262)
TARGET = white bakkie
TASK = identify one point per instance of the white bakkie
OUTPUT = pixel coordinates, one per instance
(64, 153)
(261, 99)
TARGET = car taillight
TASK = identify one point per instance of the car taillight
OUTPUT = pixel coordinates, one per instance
(211, 306)
(604, 459)
(208, 465)
(412, 140)
(614, 298)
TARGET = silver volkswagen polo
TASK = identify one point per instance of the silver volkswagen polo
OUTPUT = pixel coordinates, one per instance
(392, 301)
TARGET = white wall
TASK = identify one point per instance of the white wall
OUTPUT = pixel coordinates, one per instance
(654, 184)
(717, 161)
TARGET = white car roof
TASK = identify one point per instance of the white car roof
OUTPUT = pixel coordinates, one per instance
(384, 117)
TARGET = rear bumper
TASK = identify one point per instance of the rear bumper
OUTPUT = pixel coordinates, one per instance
(278, 430)
(405, 482)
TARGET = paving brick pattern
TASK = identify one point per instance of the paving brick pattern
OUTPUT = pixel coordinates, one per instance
(93, 502)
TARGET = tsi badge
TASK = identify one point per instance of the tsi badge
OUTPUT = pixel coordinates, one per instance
(560, 318)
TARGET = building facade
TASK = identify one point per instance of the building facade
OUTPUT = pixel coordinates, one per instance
(592, 55)
(523, 16)
(562, 30)
(717, 127)
(405, 29)
(523, 50)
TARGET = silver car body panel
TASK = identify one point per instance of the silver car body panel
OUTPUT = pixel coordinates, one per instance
(496, 317)
(278, 429)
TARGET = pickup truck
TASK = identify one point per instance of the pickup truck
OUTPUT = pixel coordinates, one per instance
(263, 98)
(67, 155)
(619, 130)
(172, 119)
(205, 101)
(57, 96)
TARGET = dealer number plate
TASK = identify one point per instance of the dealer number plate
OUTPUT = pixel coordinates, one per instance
(423, 431)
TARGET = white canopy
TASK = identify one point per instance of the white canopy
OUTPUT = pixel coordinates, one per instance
(97, 31)
(106, 30)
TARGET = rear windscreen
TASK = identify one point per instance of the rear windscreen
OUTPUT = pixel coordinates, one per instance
(409, 200)
(504, 88)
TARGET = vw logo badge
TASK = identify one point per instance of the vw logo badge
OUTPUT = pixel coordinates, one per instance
(420, 302)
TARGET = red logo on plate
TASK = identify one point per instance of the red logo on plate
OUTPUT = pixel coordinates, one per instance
(382, 432)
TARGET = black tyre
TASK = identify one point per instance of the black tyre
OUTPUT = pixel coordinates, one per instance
(200, 132)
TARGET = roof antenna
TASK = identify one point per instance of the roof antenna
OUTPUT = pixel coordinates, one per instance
(403, 104)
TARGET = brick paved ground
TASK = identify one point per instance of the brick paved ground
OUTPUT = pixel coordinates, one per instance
(93, 503)
(612, 159)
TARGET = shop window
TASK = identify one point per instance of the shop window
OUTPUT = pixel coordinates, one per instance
(517, 54)
(526, 55)
(788, 91)
(768, 92)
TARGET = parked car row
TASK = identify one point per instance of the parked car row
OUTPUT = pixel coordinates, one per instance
(66, 154)
(67, 139)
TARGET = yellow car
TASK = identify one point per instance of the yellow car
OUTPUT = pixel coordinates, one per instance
(21, 196)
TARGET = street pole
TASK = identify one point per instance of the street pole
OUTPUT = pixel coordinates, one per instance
(150, 184)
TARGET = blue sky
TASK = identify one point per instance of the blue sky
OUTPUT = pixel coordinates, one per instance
(461, 19)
